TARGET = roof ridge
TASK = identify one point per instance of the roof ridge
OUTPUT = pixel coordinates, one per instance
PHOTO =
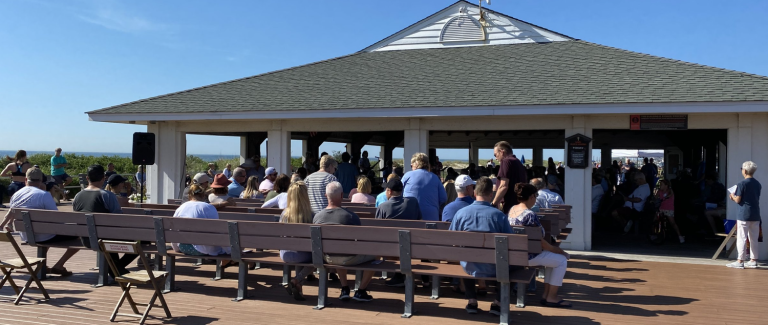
(225, 82)
(697, 65)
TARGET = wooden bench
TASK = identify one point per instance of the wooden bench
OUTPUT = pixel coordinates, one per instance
(409, 245)
(361, 214)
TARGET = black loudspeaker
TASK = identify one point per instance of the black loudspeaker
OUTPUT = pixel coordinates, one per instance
(143, 148)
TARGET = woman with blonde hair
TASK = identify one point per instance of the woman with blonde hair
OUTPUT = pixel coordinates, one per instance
(298, 210)
(450, 193)
(425, 186)
(251, 189)
(363, 194)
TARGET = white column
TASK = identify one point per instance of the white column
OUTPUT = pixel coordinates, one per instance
(165, 180)
(416, 140)
(474, 153)
(243, 149)
(538, 156)
(304, 148)
(279, 148)
(578, 189)
(759, 155)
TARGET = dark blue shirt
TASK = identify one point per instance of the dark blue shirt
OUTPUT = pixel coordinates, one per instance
(398, 207)
(449, 211)
(749, 207)
(346, 173)
(480, 216)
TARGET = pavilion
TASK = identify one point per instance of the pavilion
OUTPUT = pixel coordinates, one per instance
(459, 79)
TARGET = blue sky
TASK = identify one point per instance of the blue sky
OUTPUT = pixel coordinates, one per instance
(60, 59)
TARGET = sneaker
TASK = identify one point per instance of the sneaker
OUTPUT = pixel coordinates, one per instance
(362, 295)
(750, 265)
(682, 239)
(736, 265)
(395, 282)
(495, 310)
(471, 309)
(628, 227)
(333, 277)
(344, 296)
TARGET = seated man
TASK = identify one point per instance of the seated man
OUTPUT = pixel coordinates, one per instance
(713, 196)
(268, 184)
(334, 214)
(547, 197)
(382, 197)
(237, 186)
(396, 206)
(465, 191)
(95, 200)
(480, 216)
(33, 196)
(597, 193)
(634, 203)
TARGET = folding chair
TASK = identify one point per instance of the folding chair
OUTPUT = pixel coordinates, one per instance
(7, 267)
(126, 281)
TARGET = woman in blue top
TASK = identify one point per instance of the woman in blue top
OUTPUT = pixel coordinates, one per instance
(425, 187)
(747, 196)
(552, 258)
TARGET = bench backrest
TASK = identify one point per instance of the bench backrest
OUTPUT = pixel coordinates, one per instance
(509, 249)
(277, 211)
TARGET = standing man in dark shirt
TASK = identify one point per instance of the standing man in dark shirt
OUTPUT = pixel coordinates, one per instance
(511, 172)
(396, 206)
(95, 200)
(334, 214)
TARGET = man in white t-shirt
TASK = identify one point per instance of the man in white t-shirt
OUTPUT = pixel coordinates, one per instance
(634, 203)
(34, 196)
(597, 193)
(546, 198)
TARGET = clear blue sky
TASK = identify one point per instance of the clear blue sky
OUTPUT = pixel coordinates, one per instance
(60, 59)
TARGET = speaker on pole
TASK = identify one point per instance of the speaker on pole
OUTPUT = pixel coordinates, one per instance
(143, 148)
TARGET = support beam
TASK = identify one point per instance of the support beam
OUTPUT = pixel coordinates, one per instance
(578, 189)
(279, 149)
(165, 180)
(250, 145)
(474, 153)
(538, 156)
(359, 140)
(605, 157)
(314, 142)
(416, 140)
(394, 139)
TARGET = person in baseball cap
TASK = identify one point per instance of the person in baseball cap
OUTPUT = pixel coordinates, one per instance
(269, 181)
(396, 206)
(465, 191)
(201, 179)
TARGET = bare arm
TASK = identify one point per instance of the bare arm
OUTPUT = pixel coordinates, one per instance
(7, 170)
(554, 249)
(735, 198)
(8, 218)
(501, 191)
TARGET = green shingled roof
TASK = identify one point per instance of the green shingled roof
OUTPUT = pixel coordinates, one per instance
(570, 72)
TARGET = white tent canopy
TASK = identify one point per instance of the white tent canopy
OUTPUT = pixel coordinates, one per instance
(624, 153)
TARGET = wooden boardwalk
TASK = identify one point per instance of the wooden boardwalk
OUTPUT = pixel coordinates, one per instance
(603, 291)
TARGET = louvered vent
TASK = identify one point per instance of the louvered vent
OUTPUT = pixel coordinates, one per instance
(462, 28)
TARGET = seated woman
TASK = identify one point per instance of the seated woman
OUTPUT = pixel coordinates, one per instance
(196, 208)
(298, 210)
(116, 185)
(219, 188)
(17, 170)
(666, 196)
(554, 259)
(277, 197)
(252, 189)
(363, 194)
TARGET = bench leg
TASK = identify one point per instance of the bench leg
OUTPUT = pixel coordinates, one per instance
(199, 262)
(170, 280)
(103, 273)
(358, 278)
(219, 271)
(158, 262)
(520, 295)
(435, 287)
(322, 288)
(42, 252)
(242, 285)
(257, 266)
(286, 274)
(408, 296)
(504, 303)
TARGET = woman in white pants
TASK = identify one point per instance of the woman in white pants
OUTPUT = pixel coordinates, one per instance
(747, 196)
(553, 259)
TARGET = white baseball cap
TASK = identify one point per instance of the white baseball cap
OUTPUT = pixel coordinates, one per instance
(463, 181)
(202, 178)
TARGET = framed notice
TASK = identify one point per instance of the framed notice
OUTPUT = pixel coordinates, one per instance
(578, 153)
(658, 122)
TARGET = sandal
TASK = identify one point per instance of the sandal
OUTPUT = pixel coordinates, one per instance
(559, 304)
(62, 271)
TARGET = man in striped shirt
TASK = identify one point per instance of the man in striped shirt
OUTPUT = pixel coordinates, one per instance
(317, 181)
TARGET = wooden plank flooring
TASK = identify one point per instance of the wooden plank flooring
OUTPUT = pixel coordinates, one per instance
(603, 291)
